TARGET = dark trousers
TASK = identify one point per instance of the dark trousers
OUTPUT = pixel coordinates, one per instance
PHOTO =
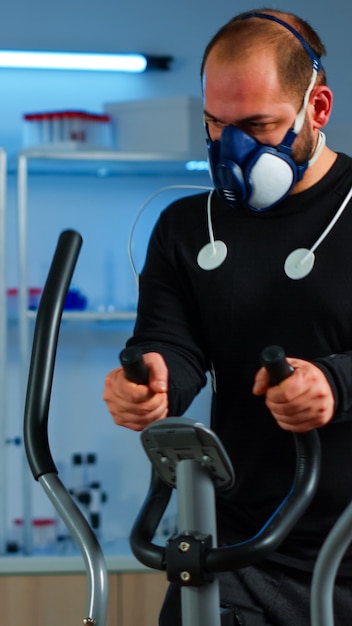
(266, 595)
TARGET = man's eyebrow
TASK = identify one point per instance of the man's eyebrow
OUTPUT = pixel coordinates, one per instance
(251, 118)
(206, 113)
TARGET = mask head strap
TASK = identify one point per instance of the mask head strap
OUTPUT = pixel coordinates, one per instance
(316, 62)
(286, 145)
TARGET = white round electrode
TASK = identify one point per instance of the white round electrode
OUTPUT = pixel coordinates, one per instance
(299, 263)
(212, 255)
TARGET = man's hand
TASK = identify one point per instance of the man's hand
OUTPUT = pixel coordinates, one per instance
(135, 406)
(301, 402)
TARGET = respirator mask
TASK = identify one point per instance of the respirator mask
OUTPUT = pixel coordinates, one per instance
(254, 175)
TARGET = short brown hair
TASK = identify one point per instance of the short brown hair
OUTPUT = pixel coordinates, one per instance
(239, 36)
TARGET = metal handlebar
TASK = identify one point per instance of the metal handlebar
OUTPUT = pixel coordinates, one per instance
(36, 413)
(159, 493)
(273, 532)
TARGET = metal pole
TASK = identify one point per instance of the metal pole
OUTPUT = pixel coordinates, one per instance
(196, 511)
(88, 545)
(326, 567)
(3, 351)
(24, 339)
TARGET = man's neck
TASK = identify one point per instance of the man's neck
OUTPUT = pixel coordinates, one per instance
(317, 171)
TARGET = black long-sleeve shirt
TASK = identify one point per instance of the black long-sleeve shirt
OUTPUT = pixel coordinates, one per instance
(223, 318)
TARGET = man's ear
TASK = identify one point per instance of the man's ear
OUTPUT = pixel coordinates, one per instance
(321, 100)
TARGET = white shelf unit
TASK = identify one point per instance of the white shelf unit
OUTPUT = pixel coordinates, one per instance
(98, 163)
(3, 344)
(88, 162)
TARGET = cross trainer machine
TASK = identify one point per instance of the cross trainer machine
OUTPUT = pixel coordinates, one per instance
(184, 455)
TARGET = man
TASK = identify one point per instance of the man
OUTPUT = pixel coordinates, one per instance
(264, 260)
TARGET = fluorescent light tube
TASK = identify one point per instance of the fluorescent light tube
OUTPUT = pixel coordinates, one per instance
(73, 61)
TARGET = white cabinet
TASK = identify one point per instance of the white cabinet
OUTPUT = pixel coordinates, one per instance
(134, 599)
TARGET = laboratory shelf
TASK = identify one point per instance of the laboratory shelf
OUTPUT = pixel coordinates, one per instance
(106, 162)
(94, 163)
(117, 554)
(93, 316)
(89, 327)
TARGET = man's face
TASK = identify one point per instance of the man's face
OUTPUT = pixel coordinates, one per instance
(248, 94)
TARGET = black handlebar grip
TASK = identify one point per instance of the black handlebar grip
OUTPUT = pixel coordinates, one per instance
(43, 355)
(274, 359)
(134, 365)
